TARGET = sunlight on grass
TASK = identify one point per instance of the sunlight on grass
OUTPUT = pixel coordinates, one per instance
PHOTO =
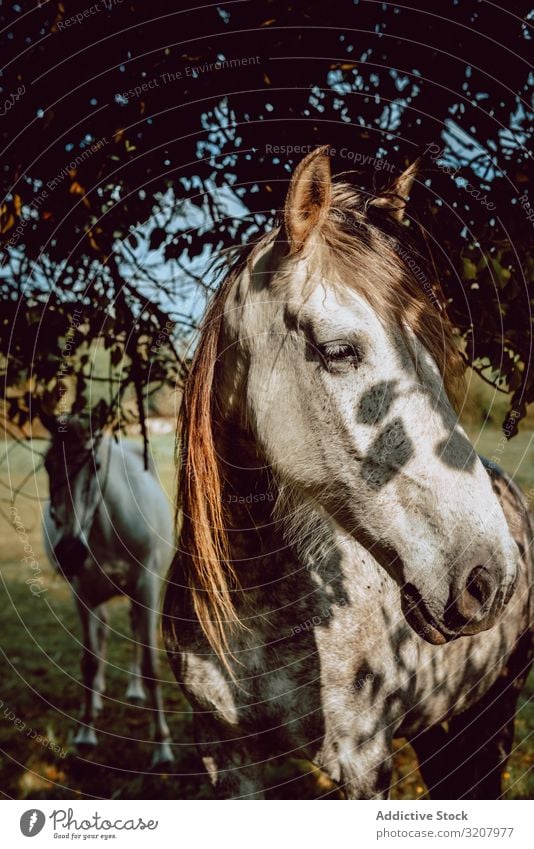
(41, 682)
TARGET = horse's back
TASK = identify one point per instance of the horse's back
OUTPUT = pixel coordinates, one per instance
(131, 536)
(135, 522)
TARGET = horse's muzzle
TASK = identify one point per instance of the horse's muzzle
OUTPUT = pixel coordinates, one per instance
(478, 604)
(420, 618)
(70, 554)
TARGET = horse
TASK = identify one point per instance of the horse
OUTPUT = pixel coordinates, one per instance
(348, 571)
(108, 530)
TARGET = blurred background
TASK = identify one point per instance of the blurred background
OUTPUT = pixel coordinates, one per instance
(140, 144)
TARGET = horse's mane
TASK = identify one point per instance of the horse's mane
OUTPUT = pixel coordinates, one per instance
(353, 236)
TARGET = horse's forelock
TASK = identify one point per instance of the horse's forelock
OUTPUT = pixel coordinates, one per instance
(399, 282)
(69, 448)
(70, 431)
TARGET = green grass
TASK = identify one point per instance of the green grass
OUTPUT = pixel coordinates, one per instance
(40, 684)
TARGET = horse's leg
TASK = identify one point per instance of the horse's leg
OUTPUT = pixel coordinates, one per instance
(147, 621)
(361, 769)
(90, 666)
(466, 760)
(135, 692)
(234, 771)
(234, 776)
(102, 639)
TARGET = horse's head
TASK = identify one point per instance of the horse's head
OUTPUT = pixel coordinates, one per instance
(337, 354)
(71, 463)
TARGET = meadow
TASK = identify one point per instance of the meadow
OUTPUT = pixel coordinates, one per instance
(40, 693)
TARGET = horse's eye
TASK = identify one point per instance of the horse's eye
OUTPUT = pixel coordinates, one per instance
(341, 353)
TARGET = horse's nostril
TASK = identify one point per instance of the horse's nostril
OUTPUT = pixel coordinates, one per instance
(479, 584)
(479, 589)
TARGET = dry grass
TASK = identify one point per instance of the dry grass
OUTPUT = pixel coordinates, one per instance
(40, 685)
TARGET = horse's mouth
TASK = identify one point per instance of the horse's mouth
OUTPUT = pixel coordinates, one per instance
(421, 619)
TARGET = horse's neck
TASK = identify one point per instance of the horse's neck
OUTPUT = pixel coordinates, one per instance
(248, 496)
(116, 466)
(272, 527)
(242, 468)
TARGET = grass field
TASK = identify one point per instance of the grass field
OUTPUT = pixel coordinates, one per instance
(40, 691)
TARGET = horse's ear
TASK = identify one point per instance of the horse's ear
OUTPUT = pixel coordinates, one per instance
(393, 200)
(308, 198)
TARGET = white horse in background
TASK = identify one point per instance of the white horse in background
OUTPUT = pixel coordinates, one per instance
(108, 529)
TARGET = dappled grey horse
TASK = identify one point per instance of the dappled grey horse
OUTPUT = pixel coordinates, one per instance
(348, 571)
(108, 529)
